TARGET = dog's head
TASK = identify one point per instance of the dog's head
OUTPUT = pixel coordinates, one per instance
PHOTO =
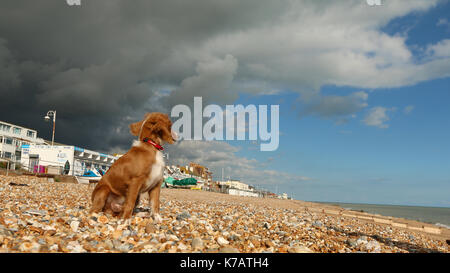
(155, 126)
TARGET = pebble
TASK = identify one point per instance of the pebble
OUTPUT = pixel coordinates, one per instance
(222, 241)
(54, 217)
(74, 226)
(75, 247)
(125, 247)
(172, 237)
(197, 243)
(36, 212)
(5, 232)
(300, 249)
(126, 233)
(150, 228)
(184, 215)
(182, 247)
(373, 246)
(361, 240)
(29, 247)
(229, 250)
(102, 219)
(234, 237)
(352, 242)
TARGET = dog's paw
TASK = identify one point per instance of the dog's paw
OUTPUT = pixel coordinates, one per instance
(157, 218)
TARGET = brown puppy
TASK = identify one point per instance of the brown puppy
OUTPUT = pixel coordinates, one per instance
(138, 171)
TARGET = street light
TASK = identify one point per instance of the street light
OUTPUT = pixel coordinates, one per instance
(47, 118)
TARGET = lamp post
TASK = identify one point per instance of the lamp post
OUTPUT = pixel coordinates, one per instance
(51, 113)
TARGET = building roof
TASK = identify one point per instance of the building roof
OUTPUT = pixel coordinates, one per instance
(49, 142)
(11, 124)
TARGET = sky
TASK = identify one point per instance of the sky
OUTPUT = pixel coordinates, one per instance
(363, 90)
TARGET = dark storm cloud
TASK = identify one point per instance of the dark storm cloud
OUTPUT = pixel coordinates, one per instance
(100, 64)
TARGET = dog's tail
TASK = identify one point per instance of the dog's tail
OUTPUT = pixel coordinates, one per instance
(99, 196)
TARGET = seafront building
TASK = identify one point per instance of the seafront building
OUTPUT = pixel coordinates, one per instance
(12, 137)
(63, 159)
(283, 196)
(22, 147)
(236, 187)
(235, 184)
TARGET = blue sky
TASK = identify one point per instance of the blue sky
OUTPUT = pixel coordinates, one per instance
(406, 163)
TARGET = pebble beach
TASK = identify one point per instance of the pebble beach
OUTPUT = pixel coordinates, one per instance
(41, 216)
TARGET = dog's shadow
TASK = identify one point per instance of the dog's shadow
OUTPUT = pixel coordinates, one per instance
(142, 209)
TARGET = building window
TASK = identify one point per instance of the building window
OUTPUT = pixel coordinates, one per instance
(30, 134)
(7, 155)
(8, 140)
(17, 131)
(5, 127)
(18, 155)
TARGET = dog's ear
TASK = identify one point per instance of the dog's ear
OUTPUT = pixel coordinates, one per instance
(135, 128)
(162, 129)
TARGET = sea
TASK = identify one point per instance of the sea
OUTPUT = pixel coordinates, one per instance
(439, 216)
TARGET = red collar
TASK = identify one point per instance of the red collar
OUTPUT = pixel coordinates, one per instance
(156, 145)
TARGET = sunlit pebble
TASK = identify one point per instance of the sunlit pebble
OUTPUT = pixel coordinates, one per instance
(102, 219)
(54, 217)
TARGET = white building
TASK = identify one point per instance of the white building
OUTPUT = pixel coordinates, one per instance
(11, 139)
(236, 187)
(243, 192)
(283, 196)
(21, 145)
(59, 159)
(235, 184)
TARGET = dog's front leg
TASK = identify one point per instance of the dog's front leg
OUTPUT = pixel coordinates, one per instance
(130, 201)
(153, 195)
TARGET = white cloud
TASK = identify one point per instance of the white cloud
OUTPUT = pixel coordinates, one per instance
(439, 50)
(378, 117)
(218, 154)
(334, 106)
(316, 44)
(339, 44)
